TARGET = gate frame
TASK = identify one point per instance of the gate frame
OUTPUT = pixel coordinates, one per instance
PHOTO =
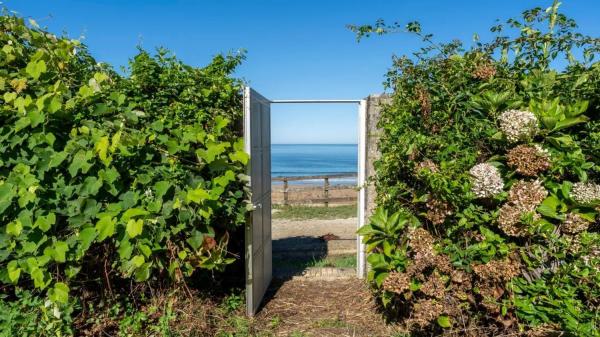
(361, 263)
(361, 267)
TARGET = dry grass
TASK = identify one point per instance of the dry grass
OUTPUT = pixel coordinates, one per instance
(323, 308)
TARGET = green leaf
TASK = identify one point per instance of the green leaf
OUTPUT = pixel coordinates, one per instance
(7, 193)
(101, 148)
(39, 279)
(57, 159)
(105, 227)
(132, 213)
(91, 186)
(444, 321)
(55, 104)
(137, 261)
(59, 294)
(36, 118)
(36, 68)
(195, 240)
(125, 249)
(198, 195)
(45, 222)
(60, 249)
(22, 123)
(86, 237)
(213, 150)
(161, 188)
(80, 162)
(14, 271)
(143, 273)
(14, 228)
(380, 278)
(134, 227)
(9, 96)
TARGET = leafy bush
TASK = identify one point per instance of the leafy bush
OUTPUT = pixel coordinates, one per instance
(110, 177)
(488, 184)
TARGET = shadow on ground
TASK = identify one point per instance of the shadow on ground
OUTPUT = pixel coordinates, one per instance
(293, 255)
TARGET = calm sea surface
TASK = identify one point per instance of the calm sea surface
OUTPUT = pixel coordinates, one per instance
(311, 159)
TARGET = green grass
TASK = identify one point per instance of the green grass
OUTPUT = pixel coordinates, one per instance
(337, 261)
(314, 212)
(330, 323)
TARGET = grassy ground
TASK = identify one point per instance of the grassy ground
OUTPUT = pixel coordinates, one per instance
(337, 261)
(314, 212)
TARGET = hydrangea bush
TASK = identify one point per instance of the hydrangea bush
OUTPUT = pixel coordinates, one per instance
(488, 184)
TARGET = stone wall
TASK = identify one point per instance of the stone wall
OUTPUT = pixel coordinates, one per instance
(374, 107)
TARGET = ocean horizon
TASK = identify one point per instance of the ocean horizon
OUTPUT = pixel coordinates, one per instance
(289, 160)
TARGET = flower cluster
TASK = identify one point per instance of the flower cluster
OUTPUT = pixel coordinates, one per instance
(498, 270)
(491, 276)
(396, 282)
(585, 193)
(523, 198)
(574, 224)
(484, 71)
(528, 160)
(427, 164)
(425, 311)
(487, 181)
(424, 102)
(437, 211)
(517, 125)
(434, 287)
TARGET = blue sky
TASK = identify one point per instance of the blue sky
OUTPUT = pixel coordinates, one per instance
(295, 49)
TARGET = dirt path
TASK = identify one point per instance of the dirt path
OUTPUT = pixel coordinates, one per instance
(322, 308)
(344, 228)
(314, 305)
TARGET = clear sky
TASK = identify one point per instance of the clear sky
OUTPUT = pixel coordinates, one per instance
(295, 49)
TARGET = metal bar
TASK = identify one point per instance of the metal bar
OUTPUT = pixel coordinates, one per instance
(362, 178)
(330, 176)
(294, 101)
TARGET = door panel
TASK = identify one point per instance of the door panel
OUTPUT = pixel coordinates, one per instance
(257, 134)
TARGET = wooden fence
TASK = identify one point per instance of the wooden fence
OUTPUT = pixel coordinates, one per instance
(326, 199)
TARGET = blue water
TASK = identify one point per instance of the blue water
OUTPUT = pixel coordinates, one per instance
(311, 159)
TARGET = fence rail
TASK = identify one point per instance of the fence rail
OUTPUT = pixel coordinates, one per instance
(326, 186)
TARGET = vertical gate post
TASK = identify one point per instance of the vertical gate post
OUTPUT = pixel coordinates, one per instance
(369, 119)
(326, 191)
(285, 192)
(362, 196)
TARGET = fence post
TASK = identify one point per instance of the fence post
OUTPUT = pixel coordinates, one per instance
(326, 191)
(285, 192)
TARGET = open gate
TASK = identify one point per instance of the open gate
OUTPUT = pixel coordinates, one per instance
(257, 134)
(258, 245)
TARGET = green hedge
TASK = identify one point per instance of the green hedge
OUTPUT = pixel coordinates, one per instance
(106, 177)
(489, 183)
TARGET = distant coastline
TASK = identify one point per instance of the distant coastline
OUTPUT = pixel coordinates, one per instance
(316, 144)
(315, 159)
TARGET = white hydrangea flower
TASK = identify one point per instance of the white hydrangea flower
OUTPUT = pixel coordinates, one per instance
(487, 181)
(517, 125)
(585, 193)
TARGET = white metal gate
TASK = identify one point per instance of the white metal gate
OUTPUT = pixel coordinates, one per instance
(257, 136)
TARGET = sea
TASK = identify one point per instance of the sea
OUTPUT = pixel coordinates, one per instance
(315, 159)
